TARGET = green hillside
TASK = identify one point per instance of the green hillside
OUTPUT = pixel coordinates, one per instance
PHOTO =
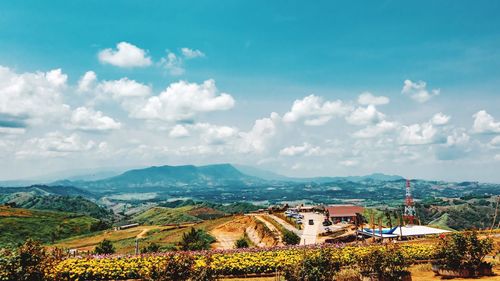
(28, 200)
(16, 225)
(162, 215)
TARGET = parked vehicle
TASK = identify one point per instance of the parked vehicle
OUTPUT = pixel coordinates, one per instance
(311, 222)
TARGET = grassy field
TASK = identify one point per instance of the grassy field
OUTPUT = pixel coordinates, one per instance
(124, 240)
(16, 225)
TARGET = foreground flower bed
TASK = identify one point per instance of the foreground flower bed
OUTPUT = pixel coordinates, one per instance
(236, 262)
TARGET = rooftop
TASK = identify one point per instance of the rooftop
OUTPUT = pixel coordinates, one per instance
(344, 210)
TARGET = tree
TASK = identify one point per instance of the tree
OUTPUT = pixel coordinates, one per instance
(241, 243)
(290, 238)
(151, 248)
(105, 247)
(196, 239)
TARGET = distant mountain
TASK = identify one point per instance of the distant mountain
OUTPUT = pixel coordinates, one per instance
(267, 175)
(171, 176)
(44, 190)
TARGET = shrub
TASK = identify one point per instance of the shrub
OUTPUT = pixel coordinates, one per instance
(290, 238)
(314, 267)
(348, 274)
(463, 251)
(387, 263)
(105, 247)
(29, 262)
(151, 248)
(241, 243)
(176, 267)
(196, 239)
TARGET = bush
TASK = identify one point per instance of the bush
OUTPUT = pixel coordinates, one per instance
(29, 262)
(177, 267)
(316, 267)
(241, 243)
(151, 248)
(348, 274)
(387, 263)
(290, 238)
(105, 247)
(463, 251)
(196, 239)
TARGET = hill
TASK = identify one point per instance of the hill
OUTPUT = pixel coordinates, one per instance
(78, 204)
(16, 225)
(184, 214)
(38, 189)
(171, 176)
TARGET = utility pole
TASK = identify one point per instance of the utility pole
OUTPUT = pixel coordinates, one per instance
(136, 246)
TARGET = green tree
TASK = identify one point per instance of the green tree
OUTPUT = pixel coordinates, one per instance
(196, 239)
(241, 243)
(151, 248)
(290, 238)
(105, 247)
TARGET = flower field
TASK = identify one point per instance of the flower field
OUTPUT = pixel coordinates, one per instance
(233, 262)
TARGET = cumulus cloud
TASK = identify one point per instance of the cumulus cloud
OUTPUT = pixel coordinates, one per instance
(55, 144)
(87, 119)
(181, 101)
(126, 55)
(191, 53)
(314, 111)
(485, 123)
(349, 163)
(418, 134)
(179, 131)
(260, 136)
(418, 91)
(31, 97)
(87, 81)
(12, 131)
(364, 116)
(306, 149)
(495, 142)
(124, 88)
(216, 135)
(455, 147)
(439, 119)
(173, 64)
(376, 130)
(367, 98)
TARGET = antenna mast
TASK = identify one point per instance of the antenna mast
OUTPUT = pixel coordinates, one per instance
(409, 214)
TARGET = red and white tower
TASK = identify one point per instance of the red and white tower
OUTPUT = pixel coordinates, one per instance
(410, 212)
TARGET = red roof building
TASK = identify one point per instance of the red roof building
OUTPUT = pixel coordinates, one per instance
(347, 213)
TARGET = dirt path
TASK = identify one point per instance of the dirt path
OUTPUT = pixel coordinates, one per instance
(274, 230)
(145, 231)
(228, 233)
(286, 225)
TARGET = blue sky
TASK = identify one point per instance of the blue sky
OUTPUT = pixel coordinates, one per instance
(259, 58)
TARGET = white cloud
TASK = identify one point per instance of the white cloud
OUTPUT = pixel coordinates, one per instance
(87, 81)
(418, 134)
(495, 142)
(179, 131)
(181, 101)
(485, 123)
(12, 131)
(457, 145)
(125, 55)
(191, 53)
(497, 157)
(349, 163)
(260, 136)
(314, 111)
(31, 97)
(174, 64)
(124, 88)
(367, 98)
(373, 131)
(364, 116)
(306, 149)
(54, 144)
(439, 119)
(418, 91)
(216, 135)
(87, 119)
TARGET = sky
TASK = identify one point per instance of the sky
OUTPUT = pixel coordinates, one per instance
(333, 88)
